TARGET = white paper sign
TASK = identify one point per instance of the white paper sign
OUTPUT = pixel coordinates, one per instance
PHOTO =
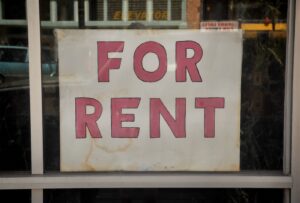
(149, 100)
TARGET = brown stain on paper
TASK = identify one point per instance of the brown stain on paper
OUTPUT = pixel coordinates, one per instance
(94, 146)
(122, 148)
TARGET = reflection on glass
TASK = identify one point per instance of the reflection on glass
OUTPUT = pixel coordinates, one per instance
(263, 101)
(44, 8)
(114, 10)
(96, 10)
(23, 196)
(65, 10)
(13, 9)
(165, 195)
(176, 10)
(137, 10)
(14, 90)
(160, 9)
(244, 10)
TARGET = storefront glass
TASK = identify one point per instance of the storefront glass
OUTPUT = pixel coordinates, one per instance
(14, 89)
(263, 73)
(165, 195)
(262, 116)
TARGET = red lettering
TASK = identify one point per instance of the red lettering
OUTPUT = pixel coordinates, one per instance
(117, 117)
(209, 105)
(185, 64)
(140, 52)
(105, 63)
(84, 120)
(177, 125)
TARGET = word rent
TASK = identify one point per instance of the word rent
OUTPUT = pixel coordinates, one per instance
(185, 67)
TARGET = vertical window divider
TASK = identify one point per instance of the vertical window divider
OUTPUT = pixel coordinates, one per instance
(105, 7)
(169, 9)
(288, 97)
(125, 10)
(183, 10)
(53, 10)
(75, 8)
(1, 11)
(37, 195)
(35, 85)
(295, 169)
(149, 10)
(86, 11)
(288, 89)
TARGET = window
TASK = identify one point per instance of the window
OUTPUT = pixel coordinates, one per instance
(268, 124)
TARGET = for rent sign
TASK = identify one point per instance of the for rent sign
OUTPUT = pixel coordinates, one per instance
(151, 100)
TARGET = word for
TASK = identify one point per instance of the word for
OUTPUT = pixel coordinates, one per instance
(184, 64)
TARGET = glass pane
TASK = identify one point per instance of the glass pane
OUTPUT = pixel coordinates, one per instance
(263, 73)
(263, 101)
(244, 10)
(65, 10)
(263, 68)
(114, 9)
(14, 89)
(160, 9)
(44, 10)
(23, 196)
(137, 10)
(13, 9)
(96, 10)
(165, 195)
(176, 10)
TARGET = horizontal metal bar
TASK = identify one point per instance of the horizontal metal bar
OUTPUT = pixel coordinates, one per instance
(118, 180)
(92, 23)
(12, 22)
(127, 23)
(62, 24)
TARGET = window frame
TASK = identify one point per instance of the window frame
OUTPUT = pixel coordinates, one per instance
(288, 179)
